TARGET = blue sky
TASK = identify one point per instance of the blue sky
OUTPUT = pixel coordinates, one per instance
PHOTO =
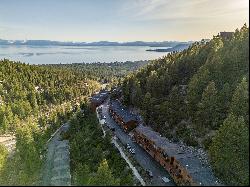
(120, 20)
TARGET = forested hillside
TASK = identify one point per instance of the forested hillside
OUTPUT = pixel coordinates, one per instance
(26, 89)
(34, 102)
(36, 99)
(104, 72)
(200, 96)
(94, 160)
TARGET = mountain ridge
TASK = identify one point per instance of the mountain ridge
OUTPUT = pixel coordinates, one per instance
(99, 43)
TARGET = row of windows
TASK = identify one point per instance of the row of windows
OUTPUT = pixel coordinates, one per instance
(176, 171)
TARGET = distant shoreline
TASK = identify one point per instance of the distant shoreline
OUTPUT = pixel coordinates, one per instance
(179, 47)
(77, 44)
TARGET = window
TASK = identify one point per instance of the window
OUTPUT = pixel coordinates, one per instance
(165, 154)
(172, 160)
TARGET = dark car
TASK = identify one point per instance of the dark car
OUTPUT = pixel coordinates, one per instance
(150, 173)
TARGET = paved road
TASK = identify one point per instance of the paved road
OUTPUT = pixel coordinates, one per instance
(141, 156)
(135, 172)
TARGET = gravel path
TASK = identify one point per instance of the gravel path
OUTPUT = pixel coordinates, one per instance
(56, 170)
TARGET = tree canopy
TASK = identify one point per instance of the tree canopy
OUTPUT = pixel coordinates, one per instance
(190, 95)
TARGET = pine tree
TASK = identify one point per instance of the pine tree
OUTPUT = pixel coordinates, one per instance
(103, 176)
(3, 156)
(82, 174)
(147, 107)
(229, 151)
(240, 101)
(207, 114)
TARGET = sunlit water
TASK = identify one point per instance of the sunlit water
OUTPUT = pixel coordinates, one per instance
(69, 54)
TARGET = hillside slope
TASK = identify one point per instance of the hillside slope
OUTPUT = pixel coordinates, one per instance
(34, 101)
(200, 96)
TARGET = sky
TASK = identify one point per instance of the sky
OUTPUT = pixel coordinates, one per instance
(120, 20)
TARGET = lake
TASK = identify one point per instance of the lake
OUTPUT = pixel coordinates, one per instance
(74, 54)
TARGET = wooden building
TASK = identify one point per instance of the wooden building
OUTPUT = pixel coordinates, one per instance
(116, 93)
(226, 35)
(183, 166)
(98, 99)
(122, 116)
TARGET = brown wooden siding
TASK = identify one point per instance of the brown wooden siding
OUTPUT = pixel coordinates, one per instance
(118, 119)
(175, 169)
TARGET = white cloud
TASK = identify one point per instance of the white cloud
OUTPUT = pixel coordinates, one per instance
(184, 9)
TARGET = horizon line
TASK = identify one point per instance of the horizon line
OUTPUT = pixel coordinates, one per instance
(51, 40)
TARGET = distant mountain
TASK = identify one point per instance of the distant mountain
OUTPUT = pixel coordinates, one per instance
(178, 47)
(100, 43)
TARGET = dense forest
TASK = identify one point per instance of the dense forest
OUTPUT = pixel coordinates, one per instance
(36, 99)
(112, 72)
(26, 90)
(34, 102)
(94, 160)
(200, 96)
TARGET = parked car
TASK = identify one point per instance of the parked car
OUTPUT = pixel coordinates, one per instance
(132, 150)
(150, 173)
(104, 117)
(128, 146)
(133, 139)
(165, 179)
(112, 128)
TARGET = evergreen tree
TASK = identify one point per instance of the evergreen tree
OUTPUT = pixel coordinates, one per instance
(82, 174)
(147, 107)
(103, 176)
(240, 101)
(3, 157)
(207, 114)
(229, 151)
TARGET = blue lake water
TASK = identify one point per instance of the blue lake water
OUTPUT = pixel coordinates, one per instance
(69, 54)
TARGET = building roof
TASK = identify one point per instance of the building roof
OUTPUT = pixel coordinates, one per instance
(201, 173)
(100, 97)
(122, 111)
(226, 34)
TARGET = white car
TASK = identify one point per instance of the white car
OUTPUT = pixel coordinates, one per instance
(132, 150)
(128, 146)
(104, 117)
(165, 179)
(150, 173)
